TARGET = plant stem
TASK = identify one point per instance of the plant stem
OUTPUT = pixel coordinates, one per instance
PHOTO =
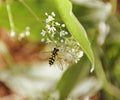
(30, 10)
(10, 16)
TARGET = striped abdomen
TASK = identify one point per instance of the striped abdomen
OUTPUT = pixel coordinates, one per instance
(53, 56)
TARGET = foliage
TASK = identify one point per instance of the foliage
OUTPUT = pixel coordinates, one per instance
(39, 81)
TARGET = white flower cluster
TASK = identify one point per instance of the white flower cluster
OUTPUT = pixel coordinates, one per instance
(53, 31)
(21, 35)
(71, 51)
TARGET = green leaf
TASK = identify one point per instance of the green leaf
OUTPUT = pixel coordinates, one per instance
(26, 13)
(70, 78)
(75, 28)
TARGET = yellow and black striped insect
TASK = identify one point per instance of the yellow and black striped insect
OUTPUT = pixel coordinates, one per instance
(56, 56)
(53, 56)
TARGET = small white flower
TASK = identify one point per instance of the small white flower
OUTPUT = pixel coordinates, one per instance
(46, 13)
(63, 25)
(66, 33)
(62, 33)
(53, 29)
(76, 61)
(73, 50)
(57, 23)
(53, 14)
(12, 33)
(21, 35)
(80, 54)
(49, 19)
(61, 40)
(27, 33)
(50, 29)
(43, 33)
(47, 26)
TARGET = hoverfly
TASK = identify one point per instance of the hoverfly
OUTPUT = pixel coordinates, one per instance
(56, 58)
(63, 55)
(53, 56)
